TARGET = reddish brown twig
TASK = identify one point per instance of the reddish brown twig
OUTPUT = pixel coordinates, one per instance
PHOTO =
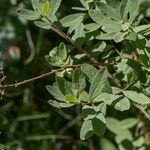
(2, 78)
(35, 78)
(28, 80)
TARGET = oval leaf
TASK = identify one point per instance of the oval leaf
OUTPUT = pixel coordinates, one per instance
(45, 8)
(123, 104)
(99, 124)
(128, 123)
(28, 14)
(137, 97)
(70, 98)
(86, 130)
(42, 24)
(99, 84)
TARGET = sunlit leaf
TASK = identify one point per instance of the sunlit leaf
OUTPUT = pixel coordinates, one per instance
(28, 14)
(98, 84)
(69, 98)
(59, 105)
(86, 130)
(137, 97)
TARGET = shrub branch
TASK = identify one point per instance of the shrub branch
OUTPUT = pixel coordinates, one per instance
(35, 78)
(68, 39)
(71, 42)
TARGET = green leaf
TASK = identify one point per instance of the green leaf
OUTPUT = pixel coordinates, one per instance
(62, 52)
(45, 8)
(106, 98)
(102, 107)
(55, 4)
(110, 11)
(71, 19)
(59, 57)
(89, 71)
(124, 67)
(28, 14)
(130, 8)
(105, 144)
(53, 58)
(86, 130)
(42, 24)
(123, 104)
(63, 85)
(100, 47)
(97, 16)
(79, 56)
(143, 146)
(120, 36)
(113, 125)
(77, 26)
(88, 112)
(79, 8)
(74, 22)
(99, 124)
(107, 17)
(36, 5)
(79, 32)
(128, 123)
(85, 4)
(132, 36)
(107, 36)
(139, 142)
(111, 26)
(78, 81)
(59, 105)
(107, 88)
(69, 98)
(124, 135)
(145, 8)
(120, 127)
(137, 97)
(142, 28)
(98, 84)
(83, 96)
(125, 26)
(55, 92)
(92, 27)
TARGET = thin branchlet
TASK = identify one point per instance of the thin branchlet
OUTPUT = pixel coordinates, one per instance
(35, 78)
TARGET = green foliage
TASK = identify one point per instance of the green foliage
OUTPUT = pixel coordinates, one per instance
(94, 121)
(102, 68)
(28, 14)
(58, 57)
(123, 104)
(106, 144)
(121, 128)
(98, 84)
(137, 97)
(45, 8)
